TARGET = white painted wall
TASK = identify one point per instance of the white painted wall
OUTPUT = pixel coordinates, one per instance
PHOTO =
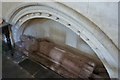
(103, 14)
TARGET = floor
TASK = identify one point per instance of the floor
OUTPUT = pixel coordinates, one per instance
(26, 69)
(20, 66)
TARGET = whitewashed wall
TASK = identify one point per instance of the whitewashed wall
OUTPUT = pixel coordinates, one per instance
(103, 14)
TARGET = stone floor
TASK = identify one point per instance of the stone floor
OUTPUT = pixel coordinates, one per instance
(12, 70)
(25, 69)
(19, 66)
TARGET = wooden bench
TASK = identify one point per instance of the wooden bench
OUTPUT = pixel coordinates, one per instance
(55, 57)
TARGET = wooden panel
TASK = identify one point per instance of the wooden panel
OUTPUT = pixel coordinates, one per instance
(60, 60)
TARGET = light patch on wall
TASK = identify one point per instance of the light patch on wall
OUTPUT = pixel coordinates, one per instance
(57, 31)
(35, 28)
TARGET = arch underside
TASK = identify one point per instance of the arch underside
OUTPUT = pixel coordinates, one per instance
(106, 53)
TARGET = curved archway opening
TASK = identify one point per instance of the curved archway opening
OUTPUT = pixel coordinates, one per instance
(61, 35)
(79, 27)
(58, 33)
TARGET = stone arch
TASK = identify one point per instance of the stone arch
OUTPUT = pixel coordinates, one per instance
(82, 26)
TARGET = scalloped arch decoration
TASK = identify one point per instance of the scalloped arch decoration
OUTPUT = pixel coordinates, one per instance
(73, 20)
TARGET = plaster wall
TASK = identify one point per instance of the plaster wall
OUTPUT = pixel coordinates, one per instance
(103, 14)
